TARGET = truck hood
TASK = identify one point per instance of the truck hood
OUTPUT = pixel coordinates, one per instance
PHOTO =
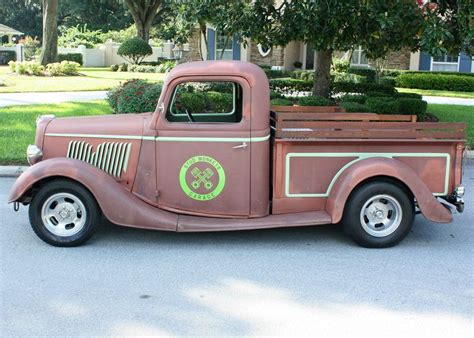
(105, 126)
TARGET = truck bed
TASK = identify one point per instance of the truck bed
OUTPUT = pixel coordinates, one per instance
(312, 148)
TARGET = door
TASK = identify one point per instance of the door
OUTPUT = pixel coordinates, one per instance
(203, 147)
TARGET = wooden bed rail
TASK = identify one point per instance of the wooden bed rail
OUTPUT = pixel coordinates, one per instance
(312, 123)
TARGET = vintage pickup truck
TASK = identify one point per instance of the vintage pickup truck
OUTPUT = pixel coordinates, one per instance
(231, 164)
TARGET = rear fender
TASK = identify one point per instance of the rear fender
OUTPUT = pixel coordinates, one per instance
(118, 204)
(376, 167)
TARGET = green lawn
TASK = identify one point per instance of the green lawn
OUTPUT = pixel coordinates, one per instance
(456, 113)
(17, 125)
(90, 79)
(428, 92)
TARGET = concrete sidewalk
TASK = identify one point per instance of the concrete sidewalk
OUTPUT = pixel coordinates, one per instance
(449, 100)
(10, 99)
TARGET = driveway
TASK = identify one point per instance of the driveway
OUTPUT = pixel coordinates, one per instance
(301, 281)
(10, 99)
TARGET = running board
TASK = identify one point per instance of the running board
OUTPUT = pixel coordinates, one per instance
(195, 223)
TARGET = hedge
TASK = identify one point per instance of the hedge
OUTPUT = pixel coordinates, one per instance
(6, 56)
(314, 101)
(381, 105)
(436, 81)
(74, 57)
(134, 96)
(355, 107)
(281, 102)
(369, 73)
(412, 106)
(349, 87)
(290, 85)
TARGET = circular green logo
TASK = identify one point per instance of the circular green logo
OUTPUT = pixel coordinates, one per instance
(202, 178)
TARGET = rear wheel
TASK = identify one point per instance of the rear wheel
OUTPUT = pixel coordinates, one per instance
(64, 213)
(379, 214)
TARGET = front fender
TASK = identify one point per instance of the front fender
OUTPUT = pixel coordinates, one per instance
(373, 167)
(118, 204)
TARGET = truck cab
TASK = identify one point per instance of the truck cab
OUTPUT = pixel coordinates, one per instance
(213, 157)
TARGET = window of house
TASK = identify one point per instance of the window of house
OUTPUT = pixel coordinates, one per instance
(206, 102)
(445, 63)
(223, 43)
(359, 58)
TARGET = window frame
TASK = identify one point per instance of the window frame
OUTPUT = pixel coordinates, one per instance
(359, 52)
(175, 90)
(445, 56)
(217, 51)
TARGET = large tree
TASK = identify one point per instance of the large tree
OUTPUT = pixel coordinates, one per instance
(377, 25)
(49, 48)
(145, 13)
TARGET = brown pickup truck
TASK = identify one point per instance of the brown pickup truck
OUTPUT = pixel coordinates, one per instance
(214, 157)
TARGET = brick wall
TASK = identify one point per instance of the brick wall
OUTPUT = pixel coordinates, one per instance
(194, 44)
(274, 58)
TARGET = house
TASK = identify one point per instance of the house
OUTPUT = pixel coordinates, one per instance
(285, 57)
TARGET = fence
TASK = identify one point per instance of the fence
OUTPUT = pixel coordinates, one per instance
(18, 49)
(106, 54)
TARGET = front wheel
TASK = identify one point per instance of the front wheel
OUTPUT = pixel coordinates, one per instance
(64, 213)
(379, 214)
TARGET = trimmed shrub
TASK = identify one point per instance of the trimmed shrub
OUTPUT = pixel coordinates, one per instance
(383, 106)
(409, 95)
(134, 96)
(122, 67)
(369, 73)
(297, 64)
(307, 75)
(26, 68)
(462, 83)
(202, 102)
(219, 102)
(134, 50)
(6, 56)
(346, 77)
(349, 87)
(314, 101)
(387, 80)
(410, 106)
(276, 74)
(281, 102)
(355, 107)
(62, 68)
(195, 103)
(361, 99)
(114, 68)
(289, 86)
(74, 57)
(377, 94)
(436, 73)
(275, 95)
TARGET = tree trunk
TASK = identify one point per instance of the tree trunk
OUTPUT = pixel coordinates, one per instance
(143, 31)
(143, 14)
(322, 73)
(203, 29)
(49, 49)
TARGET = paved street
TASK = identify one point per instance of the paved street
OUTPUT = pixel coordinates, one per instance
(284, 281)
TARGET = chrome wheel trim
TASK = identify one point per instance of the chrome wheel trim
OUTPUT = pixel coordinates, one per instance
(63, 214)
(381, 215)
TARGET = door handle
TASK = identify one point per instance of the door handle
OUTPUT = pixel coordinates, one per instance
(243, 145)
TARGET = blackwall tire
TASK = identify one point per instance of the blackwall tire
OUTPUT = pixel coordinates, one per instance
(379, 214)
(64, 213)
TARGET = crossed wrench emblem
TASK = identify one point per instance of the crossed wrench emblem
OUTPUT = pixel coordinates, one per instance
(202, 177)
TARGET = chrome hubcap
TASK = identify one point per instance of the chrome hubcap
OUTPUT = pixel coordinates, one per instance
(381, 215)
(63, 214)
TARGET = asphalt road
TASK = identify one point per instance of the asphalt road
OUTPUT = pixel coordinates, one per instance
(304, 281)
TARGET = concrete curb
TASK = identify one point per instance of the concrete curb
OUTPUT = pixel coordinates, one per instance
(11, 171)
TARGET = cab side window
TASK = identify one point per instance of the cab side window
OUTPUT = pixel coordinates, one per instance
(206, 102)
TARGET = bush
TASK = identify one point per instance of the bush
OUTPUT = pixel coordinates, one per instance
(377, 94)
(314, 101)
(340, 65)
(202, 102)
(281, 102)
(346, 77)
(219, 102)
(134, 50)
(383, 106)
(74, 57)
(369, 73)
(275, 95)
(462, 83)
(409, 95)
(361, 99)
(134, 96)
(297, 64)
(290, 86)
(114, 68)
(62, 68)
(387, 80)
(76, 35)
(26, 68)
(307, 75)
(349, 87)
(6, 56)
(412, 106)
(355, 107)
(275, 74)
(122, 67)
